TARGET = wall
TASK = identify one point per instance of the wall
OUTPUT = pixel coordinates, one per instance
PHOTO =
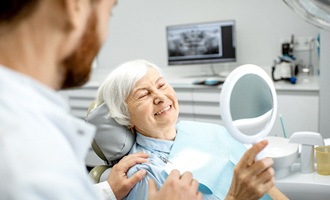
(324, 85)
(137, 30)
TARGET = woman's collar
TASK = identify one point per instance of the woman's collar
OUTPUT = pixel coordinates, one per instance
(153, 143)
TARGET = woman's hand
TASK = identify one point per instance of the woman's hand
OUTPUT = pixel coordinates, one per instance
(120, 184)
(176, 187)
(252, 179)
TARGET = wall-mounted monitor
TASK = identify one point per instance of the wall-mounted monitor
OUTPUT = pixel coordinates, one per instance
(198, 43)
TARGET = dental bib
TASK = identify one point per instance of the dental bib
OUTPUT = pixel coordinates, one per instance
(209, 152)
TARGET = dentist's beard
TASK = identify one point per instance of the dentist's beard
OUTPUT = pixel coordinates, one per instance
(77, 67)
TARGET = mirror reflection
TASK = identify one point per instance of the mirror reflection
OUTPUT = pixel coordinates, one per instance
(251, 104)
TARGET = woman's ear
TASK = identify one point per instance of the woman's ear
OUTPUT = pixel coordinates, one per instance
(131, 128)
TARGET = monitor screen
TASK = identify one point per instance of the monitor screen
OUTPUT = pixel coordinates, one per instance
(209, 42)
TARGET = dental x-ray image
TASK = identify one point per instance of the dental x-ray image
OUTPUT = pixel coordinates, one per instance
(195, 42)
(198, 43)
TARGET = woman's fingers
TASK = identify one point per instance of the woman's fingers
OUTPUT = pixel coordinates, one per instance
(266, 176)
(261, 165)
(249, 156)
(252, 179)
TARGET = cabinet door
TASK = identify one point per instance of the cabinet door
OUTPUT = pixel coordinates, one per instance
(199, 104)
(186, 103)
(299, 110)
(206, 105)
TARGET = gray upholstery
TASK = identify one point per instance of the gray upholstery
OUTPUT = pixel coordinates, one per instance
(114, 140)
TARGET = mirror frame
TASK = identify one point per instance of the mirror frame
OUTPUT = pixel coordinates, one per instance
(225, 97)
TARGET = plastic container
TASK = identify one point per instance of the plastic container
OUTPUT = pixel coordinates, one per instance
(283, 153)
(323, 160)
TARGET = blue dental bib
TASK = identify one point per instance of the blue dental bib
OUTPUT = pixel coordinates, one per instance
(209, 152)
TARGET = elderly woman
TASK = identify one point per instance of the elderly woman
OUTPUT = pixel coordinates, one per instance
(139, 97)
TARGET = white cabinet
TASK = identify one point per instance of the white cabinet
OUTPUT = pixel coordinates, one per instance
(186, 103)
(79, 99)
(299, 110)
(298, 104)
(201, 103)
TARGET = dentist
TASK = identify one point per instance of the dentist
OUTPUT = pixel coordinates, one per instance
(46, 46)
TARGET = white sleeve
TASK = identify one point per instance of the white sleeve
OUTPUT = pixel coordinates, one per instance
(105, 190)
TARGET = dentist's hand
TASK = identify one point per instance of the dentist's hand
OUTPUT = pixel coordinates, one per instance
(120, 184)
(176, 187)
(252, 179)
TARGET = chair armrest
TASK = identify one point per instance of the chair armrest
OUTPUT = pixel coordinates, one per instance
(97, 172)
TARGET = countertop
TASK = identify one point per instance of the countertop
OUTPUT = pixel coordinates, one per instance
(303, 84)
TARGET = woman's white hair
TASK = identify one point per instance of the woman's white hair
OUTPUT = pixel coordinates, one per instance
(118, 85)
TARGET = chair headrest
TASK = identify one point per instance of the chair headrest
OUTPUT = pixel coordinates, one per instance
(113, 139)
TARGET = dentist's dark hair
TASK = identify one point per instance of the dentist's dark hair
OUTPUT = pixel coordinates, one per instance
(12, 11)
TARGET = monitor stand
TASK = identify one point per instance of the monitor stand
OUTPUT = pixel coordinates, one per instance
(222, 74)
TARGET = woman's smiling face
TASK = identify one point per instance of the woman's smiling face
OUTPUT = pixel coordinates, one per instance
(153, 106)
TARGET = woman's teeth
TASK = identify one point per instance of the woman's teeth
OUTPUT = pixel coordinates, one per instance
(164, 110)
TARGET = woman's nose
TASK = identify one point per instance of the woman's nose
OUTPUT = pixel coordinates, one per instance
(159, 98)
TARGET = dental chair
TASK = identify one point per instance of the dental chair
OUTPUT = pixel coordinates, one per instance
(111, 142)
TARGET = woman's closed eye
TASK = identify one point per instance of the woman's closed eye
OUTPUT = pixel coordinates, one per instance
(161, 85)
(142, 94)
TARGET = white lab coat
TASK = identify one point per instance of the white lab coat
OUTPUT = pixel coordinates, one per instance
(42, 147)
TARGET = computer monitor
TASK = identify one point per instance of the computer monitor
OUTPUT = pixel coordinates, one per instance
(200, 43)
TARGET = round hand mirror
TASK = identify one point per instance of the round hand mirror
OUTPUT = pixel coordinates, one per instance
(248, 104)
